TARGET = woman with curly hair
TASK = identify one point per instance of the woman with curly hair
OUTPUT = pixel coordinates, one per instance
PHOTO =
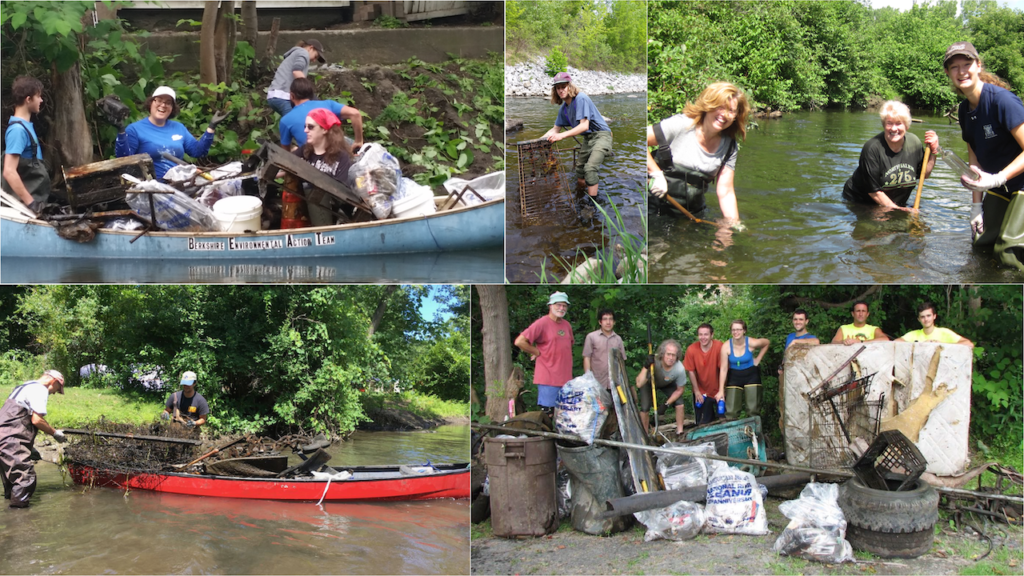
(699, 147)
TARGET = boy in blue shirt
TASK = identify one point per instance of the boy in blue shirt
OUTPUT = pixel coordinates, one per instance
(293, 123)
(580, 116)
(158, 133)
(24, 173)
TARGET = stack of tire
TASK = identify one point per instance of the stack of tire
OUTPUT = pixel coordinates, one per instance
(890, 524)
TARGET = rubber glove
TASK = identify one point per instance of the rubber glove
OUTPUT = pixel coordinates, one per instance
(739, 227)
(659, 186)
(59, 436)
(218, 117)
(985, 180)
(650, 360)
(165, 416)
(190, 424)
(34, 206)
(977, 221)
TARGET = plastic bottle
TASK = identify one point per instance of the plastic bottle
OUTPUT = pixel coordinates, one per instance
(721, 407)
(697, 400)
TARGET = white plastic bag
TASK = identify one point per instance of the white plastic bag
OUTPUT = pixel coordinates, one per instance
(375, 171)
(173, 211)
(680, 521)
(582, 407)
(490, 186)
(734, 503)
(817, 527)
(684, 471)
(210, 194)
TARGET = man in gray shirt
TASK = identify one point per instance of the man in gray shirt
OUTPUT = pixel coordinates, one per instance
(669, 379)
(295, 65)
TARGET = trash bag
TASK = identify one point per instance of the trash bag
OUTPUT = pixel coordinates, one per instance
(817, 527)
(680, 521)
(123, 224)
(591, 486)
(734, 503)
(173, 211)
(564, 493)
(490, 186)
(582, 407)
(680, 471)
(210, 194)
(375, 171)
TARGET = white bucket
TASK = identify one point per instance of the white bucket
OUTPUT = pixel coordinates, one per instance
(418, 201)
(238, 213)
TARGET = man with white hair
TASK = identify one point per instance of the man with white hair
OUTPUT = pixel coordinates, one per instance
(549, 342)
(20, 418)
(891, 162)
(188, 406)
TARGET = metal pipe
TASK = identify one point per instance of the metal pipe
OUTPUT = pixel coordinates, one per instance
(790, 467)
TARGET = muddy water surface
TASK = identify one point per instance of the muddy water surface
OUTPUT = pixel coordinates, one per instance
(71, 530)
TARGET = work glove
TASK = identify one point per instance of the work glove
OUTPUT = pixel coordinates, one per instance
(35, 206)
(34, 454)
(59, 436)
(977, 220)
(650, 360)
(218, 117)
(738, 227)
(984, 182)
(165, 416)
(114, 111)
(190, 424)
(659, 186)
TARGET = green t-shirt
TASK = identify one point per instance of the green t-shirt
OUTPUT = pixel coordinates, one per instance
(866, 332)
(944, 335)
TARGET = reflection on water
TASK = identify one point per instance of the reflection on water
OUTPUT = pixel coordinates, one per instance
(789, 182)
(622, 182)
(481, 266)
(70, 529)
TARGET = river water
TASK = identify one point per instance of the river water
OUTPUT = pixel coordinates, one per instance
(789, 182)
(623, 178)
(73, 530)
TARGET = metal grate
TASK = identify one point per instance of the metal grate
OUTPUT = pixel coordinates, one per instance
(839, 414)
(544, 191)
(890, 453)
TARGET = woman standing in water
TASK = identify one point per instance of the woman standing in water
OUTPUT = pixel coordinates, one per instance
(697, 147)
(891, 162)
(744, 372)
(580, 116)
(992, 124)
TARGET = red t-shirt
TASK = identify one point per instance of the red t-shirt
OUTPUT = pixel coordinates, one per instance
(554, 340)
(705, 366)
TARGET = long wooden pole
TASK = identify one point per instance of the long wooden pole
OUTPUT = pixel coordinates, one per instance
(134, 437)
(920, 181)
(679, 207)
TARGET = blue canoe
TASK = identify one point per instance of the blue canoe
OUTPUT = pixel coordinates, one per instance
(458, 229)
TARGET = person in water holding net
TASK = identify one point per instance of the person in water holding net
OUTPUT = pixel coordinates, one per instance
(580, 116)
(890, 162)
(992, 124)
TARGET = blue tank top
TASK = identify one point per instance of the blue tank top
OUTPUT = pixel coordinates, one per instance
(741, 362)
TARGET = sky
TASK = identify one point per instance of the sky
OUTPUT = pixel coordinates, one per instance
(428, 305)
(906, 4)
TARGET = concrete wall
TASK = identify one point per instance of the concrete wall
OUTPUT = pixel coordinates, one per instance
(362, 46)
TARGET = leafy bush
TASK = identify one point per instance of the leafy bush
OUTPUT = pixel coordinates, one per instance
(556, 62)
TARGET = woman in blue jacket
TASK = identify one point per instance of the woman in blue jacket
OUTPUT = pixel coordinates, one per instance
(159, 133)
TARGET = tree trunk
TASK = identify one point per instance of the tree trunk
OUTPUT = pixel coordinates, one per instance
(207, 35)
(497, 349)
(224, 41)
(250, 32)
(382, 307)
(70, 133)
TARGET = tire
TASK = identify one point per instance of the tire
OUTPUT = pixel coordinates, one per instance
(480, 509)
(890, 524)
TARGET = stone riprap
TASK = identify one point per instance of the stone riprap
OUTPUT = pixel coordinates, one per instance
(529, 79)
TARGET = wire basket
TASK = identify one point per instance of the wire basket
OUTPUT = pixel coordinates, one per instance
(839, 414)
(891, 453)
(544, 192)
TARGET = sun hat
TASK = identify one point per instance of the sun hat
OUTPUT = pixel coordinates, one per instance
(558, 297)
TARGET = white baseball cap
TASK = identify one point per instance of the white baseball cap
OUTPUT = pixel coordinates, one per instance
(165, 91)
(188, 378)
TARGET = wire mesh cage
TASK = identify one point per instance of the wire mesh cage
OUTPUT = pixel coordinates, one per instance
(544, 190)
(841, 413)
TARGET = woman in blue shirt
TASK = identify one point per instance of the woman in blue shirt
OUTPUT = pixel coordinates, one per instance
(580, 116)
(992, 124)
(159, 133)
(744, 372)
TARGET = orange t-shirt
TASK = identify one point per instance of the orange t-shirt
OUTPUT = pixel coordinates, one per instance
(705, 366)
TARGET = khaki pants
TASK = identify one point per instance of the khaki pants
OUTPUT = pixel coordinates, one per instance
(593, 148)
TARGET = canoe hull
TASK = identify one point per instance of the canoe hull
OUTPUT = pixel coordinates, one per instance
(479, 226)
(451, 482)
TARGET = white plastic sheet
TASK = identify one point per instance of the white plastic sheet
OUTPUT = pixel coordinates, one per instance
(490, 186)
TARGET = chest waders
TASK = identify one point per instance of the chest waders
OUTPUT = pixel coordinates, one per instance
(688, 187)
(17, 434)
(1004, 225)
(32, 171)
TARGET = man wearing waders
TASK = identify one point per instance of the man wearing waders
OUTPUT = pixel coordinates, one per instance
(20, 418)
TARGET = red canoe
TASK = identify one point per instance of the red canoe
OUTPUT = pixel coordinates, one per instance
(366, 483)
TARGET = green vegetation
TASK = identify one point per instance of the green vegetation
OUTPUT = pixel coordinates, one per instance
(988, 315)
(80, 406)
(424, 406)
(789, 54)
(269, 359)
(593, 35)
(385, 21)
(635, 270)
(556, 62)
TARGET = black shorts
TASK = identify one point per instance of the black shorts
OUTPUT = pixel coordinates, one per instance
(743, 377)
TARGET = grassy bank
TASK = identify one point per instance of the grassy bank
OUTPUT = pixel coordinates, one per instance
(81, 406)
(424, 406)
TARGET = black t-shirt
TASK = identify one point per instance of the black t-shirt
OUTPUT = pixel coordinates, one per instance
(894, 173)
(192, 408)
(337, 170)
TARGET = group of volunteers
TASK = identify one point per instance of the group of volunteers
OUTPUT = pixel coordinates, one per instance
(725, 375)
(698, 147)
(311, 128)
(22, 416)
